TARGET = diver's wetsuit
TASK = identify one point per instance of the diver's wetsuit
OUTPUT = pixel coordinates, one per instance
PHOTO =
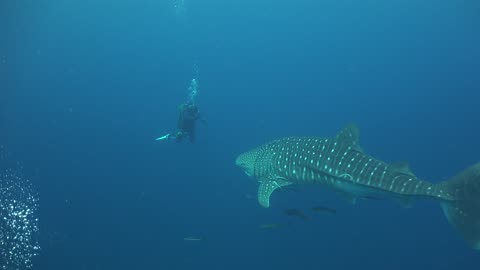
(189, 114)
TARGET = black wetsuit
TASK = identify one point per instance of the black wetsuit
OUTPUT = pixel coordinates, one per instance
(189, 114)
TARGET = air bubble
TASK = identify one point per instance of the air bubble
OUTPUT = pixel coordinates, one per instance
(19, 221)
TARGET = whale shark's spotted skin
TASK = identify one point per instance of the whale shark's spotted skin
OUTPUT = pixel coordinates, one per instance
(335, 162)
(340, 164)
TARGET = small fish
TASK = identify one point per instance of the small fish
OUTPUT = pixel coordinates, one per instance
(295, 213)
(193, 238)
(324, 209)
(270, 226)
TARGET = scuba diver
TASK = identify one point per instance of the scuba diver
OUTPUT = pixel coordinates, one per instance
(187, 118)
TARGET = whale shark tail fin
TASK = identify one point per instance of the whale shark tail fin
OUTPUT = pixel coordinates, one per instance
(464, 211)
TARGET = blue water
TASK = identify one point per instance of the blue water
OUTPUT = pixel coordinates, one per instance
(85, 87)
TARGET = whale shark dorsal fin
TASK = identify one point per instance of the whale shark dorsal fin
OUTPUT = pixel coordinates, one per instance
(267, 187)
(350, 135)
(402, 167)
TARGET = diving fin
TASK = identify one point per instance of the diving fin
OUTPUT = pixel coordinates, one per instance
(164, 137)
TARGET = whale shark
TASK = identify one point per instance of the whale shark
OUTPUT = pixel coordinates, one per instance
(339, 163)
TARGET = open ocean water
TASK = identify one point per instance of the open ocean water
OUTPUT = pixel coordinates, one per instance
(86, 86)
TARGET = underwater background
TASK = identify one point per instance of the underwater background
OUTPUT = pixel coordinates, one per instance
(86, 86)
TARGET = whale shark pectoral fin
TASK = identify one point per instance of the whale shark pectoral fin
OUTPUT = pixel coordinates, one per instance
(267, 187)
